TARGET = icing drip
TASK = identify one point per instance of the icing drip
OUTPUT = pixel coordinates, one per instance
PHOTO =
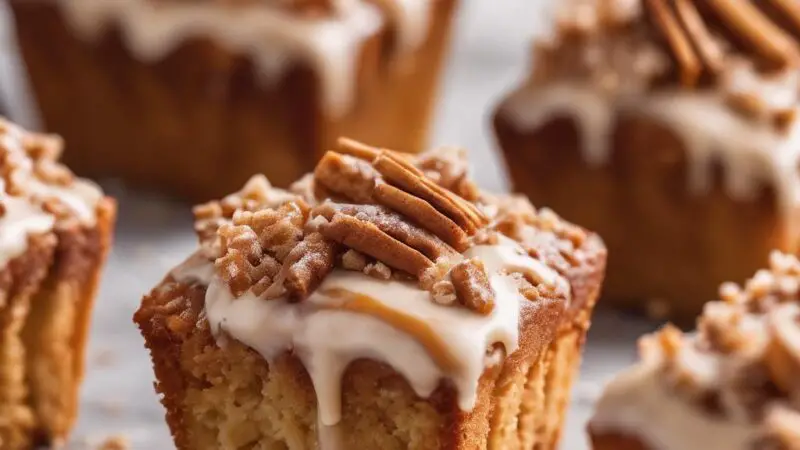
(388, 321)
(80, 196)
(752, 151)
(593, 114)
(273, 37)
(21, 219)
(640, 404)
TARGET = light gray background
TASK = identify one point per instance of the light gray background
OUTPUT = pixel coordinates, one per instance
(491, 55)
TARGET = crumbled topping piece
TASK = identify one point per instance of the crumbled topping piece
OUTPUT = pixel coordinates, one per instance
(472, 286)
(345, 176)
(542, 233)
(449, 168)
(256, 194)
(268, 253)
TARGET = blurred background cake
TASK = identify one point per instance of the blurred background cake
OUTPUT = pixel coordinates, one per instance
(732, 384)
(191, 97)
(669, 127)
(55, 232)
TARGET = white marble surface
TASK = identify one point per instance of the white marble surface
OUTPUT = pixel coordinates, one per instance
(490, 56)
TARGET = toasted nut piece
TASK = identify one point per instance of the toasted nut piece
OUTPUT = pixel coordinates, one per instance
(392, 224)
(369, 239)
(763, 36)
(706, 47)
(307, 265)
(679, 42)
(352, 178)
(472, 286)
(412, 181)
(423, 213)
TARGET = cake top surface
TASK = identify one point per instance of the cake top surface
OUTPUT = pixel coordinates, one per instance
(383, 213)
(37, 193)
(748, 49)
(736, 375)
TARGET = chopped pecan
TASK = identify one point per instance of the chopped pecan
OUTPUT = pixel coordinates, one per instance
(410, 179)
(680, 43)
(448, 167)
(357, 149)
(756, 29)
(307, 265)
(243, 263)
(423, 213)
(367, 238)
(392, 224)
(707, 47)
(346, 176)
(472, 286)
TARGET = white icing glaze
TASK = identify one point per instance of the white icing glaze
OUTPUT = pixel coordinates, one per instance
(271, 36)
(752, 151)
(21, 219)
(272, 327)
(593, 114)
(639, 405)
(80, 196)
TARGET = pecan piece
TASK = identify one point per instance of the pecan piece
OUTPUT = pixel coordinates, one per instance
(410, 179)
(472, 286)
(679, 42)
(307, 265)
(392, 224)
(367, 238)
(423, 213)
(757, 30)
(344, 175)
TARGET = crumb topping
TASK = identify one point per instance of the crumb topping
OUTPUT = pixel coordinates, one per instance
(736, 46)
(386, 214)
(30, 169)
(743, 361)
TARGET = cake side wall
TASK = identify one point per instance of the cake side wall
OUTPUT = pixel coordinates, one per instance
(56, 331)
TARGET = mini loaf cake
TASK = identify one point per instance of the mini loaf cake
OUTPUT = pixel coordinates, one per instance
(669, 127)
(383, 302)
(55, 231)
(193, 96)
(734, 384)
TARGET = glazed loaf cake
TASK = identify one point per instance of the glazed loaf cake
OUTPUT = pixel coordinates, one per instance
(171, 94)
(669, 127)
(733, 384)
(55, 231)
(383, 302)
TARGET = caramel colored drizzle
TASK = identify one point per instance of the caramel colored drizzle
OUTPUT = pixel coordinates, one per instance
(420, 331)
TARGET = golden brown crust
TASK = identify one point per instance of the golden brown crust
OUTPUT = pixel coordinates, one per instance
(19, 280)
